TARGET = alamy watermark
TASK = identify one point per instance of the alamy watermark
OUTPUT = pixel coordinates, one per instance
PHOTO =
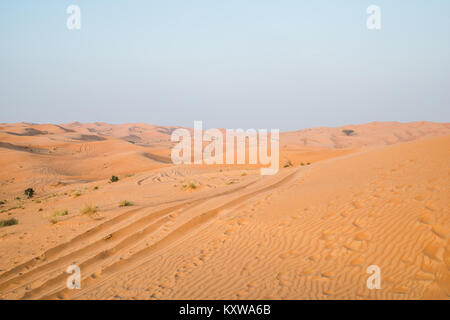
(235, 142)
(74, 280)
(374, 19)
(374, 281)
(74, 20)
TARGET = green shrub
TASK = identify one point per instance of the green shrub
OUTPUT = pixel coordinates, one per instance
(89, 209)
(190, 186)
(9, 222)
(60, 213)
(348, 132)
(114, 179)
(288, 164)
(29, 192)
(57, 213)
(125, 203)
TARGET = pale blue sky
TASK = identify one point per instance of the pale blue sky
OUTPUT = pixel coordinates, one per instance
(285, 64)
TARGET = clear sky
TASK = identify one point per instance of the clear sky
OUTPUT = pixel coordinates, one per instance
(285, 64)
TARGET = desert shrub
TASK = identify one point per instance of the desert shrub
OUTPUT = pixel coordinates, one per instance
(57, 213)
(89, 209)
(190, 186)
(1, 203)
(125, 203)
(9, 222)
(14, 208)
(29, 192)
(308, 163)
(287, 164)
(77, 193)
(114, 179)
(348, 132)
(302, 164)
(60, 213)
(96, 188)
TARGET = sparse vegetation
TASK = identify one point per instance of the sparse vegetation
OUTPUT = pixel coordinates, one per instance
(348, 132)
(29, 192)
(77, 193)
(40, 209)
(1, 203)
(190, 186)
(302, 164)
(60, 213)
(9, 222)
(125, 203)
(288, 164)
(114, 179)
(89, 209)
(308, 163)
(13, 208)
(57, 213)
(96, 188)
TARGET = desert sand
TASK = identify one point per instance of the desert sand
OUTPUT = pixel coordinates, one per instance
(377, 195)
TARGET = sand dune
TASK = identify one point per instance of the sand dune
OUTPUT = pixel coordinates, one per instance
(378, 195)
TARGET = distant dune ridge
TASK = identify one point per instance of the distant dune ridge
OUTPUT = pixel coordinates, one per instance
(344, 198)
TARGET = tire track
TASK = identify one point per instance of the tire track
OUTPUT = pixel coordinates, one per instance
(55, 251)
(60, 263)
(143, 255)
(38, 266)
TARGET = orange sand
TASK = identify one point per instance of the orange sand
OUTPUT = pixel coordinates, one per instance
(380, 197)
